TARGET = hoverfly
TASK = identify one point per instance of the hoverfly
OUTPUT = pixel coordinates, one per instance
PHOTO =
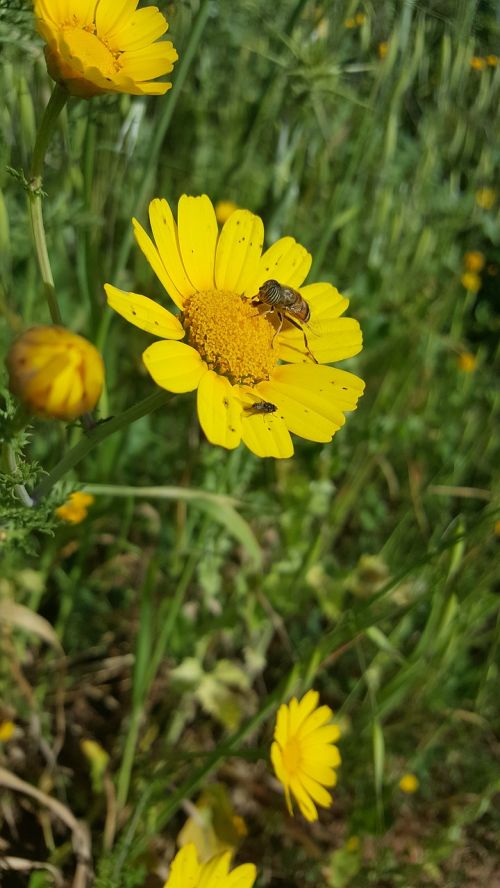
(261, 407)
(288, 305)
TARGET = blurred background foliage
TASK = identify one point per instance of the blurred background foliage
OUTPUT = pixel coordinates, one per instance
(163, 622)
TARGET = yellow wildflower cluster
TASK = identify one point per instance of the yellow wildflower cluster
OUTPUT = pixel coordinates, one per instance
(75, 509)
(356, 21)
(480, 63)
(473, 264)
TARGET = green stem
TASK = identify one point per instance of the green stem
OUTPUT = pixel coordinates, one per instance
(56, 103)
(161, 130)
(98, 434)
(19, 489)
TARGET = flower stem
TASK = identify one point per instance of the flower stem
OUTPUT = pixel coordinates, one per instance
(96, 435)
(56, 103)
(19, 489)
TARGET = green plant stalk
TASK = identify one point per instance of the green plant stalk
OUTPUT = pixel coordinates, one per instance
(156, 145)
(96, 435)
(19, 489)
(141, 684)
(55, 105)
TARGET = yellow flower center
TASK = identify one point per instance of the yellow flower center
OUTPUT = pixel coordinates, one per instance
(87, 46)
(292, 756)
(230, 335)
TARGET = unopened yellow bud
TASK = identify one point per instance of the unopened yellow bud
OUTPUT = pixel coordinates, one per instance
(409, 783)
(471, 281)
(467, 362)
(474, 260)
(55, 373)
(224, 209)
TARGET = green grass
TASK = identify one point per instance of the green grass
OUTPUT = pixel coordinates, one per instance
(367, 567)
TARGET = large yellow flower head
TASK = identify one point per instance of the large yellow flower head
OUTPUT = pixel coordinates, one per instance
(258, 376)
(100, 46)
(187, 872)
(303, 753)
(55, 372)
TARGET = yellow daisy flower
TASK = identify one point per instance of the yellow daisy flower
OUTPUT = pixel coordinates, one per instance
(224, 209)
(467, 362)
(187, 872)
(485, 198)
(75, 509)
(303, 753)
(235, 344)
(100, 46)
(471, 281)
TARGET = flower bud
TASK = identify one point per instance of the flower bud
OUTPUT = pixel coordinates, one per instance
(54, 372)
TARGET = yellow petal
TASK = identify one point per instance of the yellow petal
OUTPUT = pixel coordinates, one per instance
(338, 339)
(286, 261)
(167, 241)
(324, 300)
(152, 255)
(303, 709)
(144, 313)
(266, 435)
(141, 29)
(238, 251)
(185, 870)
(323, 392)
(150, 61)
(305, 803)
(198, 232)
(321, 716)
(219, 411)
(299, 417)
(317, 792)
(174, 366)
(242, 877)
(113, 15)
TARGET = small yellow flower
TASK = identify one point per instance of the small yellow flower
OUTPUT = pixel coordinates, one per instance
(383, 49)
(101, 46)
(7, 729)
(478, 63)
(474, 260)
(74, 511)
(224, 209)
(409, 783)
(492, 60)
(187, 872)
(55, 372)
(467, 362)
(303, 753)
(236, 348)
(471, 281)
(485, 198)
(350, 23)
(360, 18)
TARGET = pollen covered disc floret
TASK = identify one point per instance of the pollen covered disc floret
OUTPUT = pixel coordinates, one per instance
(238, 353)
(230, 334)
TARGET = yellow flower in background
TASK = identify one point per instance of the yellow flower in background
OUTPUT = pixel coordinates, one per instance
(409, 783)
(474, 260)
(383, 49)
(55, 372)
(303, 753)
(213, 826)
(75, 509)
(187, 872)
(467, 362)
(492, 60)
(224, 209)
(360, 19)
(485, 198)
(471, 281)
(7, 729)
(100, 46)
(478, 63)
(234, 345)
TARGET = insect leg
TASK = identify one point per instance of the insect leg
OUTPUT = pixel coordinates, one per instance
(299, 327)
